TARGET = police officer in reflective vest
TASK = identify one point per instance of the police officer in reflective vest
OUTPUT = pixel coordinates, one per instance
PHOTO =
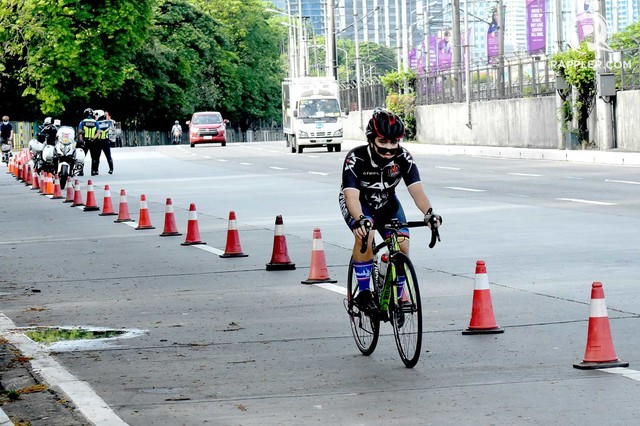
(87, 131)
(102, 142)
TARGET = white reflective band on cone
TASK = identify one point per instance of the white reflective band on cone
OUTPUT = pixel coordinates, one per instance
(279, 230)
(193, 215)
(232, 225)
(168, 208)
(317, 245)
(482, 282)
(598, 308)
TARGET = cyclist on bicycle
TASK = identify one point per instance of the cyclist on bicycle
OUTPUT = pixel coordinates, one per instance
(368, 200)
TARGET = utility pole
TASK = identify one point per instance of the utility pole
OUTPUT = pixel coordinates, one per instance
(405, 34)
(467, 64)
(559, 27)
(604, 114)
(456, 57)
(357, 59)
(330, 47)
(301, 42)
(398, 42)
(500, 49)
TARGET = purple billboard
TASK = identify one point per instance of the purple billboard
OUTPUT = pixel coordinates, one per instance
(493, 47)
(536, 26)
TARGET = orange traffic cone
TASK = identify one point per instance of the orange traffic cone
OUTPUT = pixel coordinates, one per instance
(280, 257)
(144, 222)
(233, 248)
(77, 195)
(170, 228)
(193, 233)
(482, 319)
(57, 191)
(43, 182)
(48, 187)
(36, 180)
(123, 209)
(29, 176)
(70, 192)
(91, 198)
(318, 272)
(600, 352)
(107, 205)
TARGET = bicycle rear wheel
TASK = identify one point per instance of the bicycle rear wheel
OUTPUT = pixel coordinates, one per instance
(365, 328)
(407, 315)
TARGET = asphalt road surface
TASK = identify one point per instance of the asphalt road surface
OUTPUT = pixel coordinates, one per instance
(225, 342)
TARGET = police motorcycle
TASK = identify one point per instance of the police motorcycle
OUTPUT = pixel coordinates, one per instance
(36, 146)
(55, 151)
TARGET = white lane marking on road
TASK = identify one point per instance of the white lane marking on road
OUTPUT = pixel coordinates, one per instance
(222, 160)
(277, 168)
(525, 174)
(333, 287)
(312, 156)
(209, 249)
(573, 177)
(247, 164)
(94, 408)
(206, 156)
(319, 173)
(459, 188)
(578, 200)
(630, 182)
(447, 168)
(625, 372)
(131, 224)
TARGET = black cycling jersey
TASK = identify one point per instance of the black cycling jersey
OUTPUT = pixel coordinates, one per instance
(377, 184)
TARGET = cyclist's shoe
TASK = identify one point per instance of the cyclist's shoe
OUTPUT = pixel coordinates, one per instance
(402, 306)
(364, 302)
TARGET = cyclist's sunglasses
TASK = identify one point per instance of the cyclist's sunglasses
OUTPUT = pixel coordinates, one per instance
(383, 150)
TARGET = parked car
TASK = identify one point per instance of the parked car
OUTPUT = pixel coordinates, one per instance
(207, 127)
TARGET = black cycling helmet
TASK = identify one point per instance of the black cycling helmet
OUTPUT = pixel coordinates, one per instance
(88, 112)
(385, 124)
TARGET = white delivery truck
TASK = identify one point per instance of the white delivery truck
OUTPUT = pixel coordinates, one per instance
(311, 115)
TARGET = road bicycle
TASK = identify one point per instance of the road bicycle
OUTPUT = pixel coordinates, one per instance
(404, 311)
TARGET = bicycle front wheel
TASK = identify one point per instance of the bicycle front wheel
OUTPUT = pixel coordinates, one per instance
(365, 327)
(407, 314)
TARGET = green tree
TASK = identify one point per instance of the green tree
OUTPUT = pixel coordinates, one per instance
(185, 66)
(71, 51)
(255, 39)
(576, 66)
(401, 98)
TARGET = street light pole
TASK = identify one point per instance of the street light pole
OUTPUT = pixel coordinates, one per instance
(301, 41)
(330, 47)
(357, 59)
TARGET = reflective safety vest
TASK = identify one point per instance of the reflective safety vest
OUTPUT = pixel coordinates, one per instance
(103, 129)
(88, 127)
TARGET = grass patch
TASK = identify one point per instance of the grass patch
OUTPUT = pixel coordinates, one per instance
(52, 335)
